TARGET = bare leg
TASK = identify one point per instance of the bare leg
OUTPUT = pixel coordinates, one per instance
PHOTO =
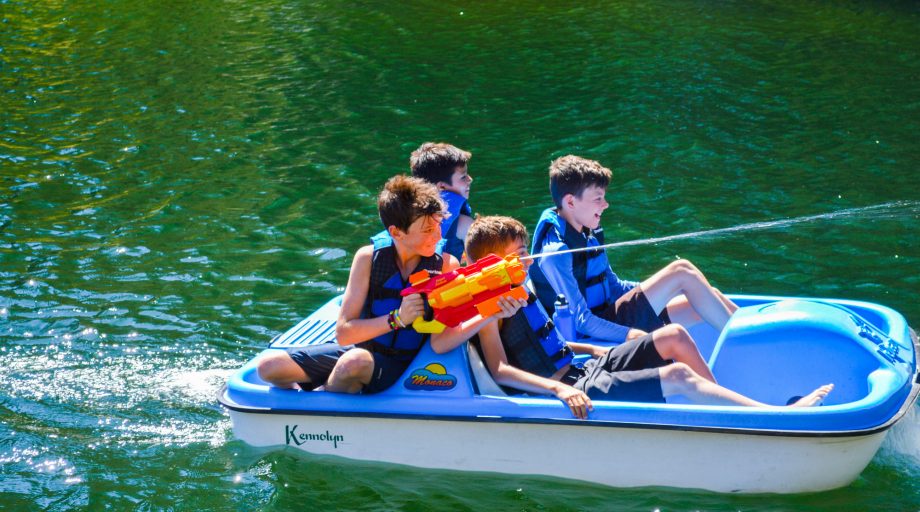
(679, 379)
(681, 277)
(731, 306)
(281, 371)
(674, 342)
(351, 372)
(815, 397)
(681, 312)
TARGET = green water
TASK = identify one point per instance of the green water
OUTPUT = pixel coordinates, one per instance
(181, 181)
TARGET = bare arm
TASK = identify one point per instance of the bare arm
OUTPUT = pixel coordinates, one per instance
(508, 375)
(587, 348)
(350, 327)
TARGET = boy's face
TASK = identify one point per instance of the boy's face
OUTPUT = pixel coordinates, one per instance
(423, 235)
(520, 248)
(586, 210)
(460, 182)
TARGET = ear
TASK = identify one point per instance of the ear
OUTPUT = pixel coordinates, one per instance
(442, 186)
(568, 202)
(395, 232)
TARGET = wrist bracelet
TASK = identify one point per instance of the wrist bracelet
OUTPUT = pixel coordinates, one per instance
(391, 320)
(399, 321)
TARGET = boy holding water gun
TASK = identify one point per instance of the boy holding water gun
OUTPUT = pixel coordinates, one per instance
(375, 337)
(522, 349)
(605, 306)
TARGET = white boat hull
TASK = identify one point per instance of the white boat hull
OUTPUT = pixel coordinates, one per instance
(620, 456)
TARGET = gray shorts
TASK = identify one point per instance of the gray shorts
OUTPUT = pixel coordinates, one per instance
(627, 373)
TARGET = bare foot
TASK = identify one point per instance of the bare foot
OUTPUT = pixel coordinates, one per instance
(815, 397)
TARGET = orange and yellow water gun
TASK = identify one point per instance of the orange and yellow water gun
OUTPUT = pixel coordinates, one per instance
(463, 293)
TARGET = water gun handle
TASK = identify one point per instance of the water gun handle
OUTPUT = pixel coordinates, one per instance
(428, 315)
(426, 324)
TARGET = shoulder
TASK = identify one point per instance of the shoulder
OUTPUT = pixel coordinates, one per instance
(560, 262)
(463, 225)
(360, 275)
(450, 263)
(363, 257)
(552, 243)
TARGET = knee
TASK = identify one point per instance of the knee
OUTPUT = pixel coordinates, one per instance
(271, 367)
(676, 335)
(674, 342)
(355, 363)
(678, 374)
(684, 269)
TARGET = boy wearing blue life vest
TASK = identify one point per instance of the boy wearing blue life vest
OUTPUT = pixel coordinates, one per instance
(374, 318)
(605, 306)
(446, 167)
(523, 350)
(374, 334)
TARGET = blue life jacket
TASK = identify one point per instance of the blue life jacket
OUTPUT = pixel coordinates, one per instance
(532, 343)
(589, 267)
(383, 296)
(457, 205)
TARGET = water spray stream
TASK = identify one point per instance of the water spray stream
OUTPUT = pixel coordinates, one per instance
(880, 210)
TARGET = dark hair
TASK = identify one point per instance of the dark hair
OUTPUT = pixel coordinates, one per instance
(491, 234)
(436, 162)
(572, 174)
(405, 199)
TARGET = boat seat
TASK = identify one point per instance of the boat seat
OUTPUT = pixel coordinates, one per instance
(481, 376)
(309, 331)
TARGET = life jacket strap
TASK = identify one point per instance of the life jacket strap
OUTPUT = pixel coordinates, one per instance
(598, 279)
(563, 352)
(544, 331)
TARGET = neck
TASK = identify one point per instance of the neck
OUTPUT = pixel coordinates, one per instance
(406, 260)
(570, 219)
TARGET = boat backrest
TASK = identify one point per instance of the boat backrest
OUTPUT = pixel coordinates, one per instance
(481, 376)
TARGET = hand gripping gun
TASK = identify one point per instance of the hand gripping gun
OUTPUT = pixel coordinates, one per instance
(463, 293)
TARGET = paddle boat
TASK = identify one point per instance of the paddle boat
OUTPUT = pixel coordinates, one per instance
(447, 412)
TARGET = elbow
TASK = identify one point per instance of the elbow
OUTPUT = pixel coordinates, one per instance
(581, 322)
(343, 335)
(502, 375)
(439, 348)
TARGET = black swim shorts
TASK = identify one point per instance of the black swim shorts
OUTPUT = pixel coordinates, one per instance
(628, 372)
(632, 309)
(317, 362)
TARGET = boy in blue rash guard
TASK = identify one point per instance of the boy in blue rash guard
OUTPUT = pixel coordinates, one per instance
(375, 340)
(445, 166)
(522, 349)
(605, 306)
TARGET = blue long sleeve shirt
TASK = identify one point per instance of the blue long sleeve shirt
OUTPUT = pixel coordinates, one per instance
(559, 272)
